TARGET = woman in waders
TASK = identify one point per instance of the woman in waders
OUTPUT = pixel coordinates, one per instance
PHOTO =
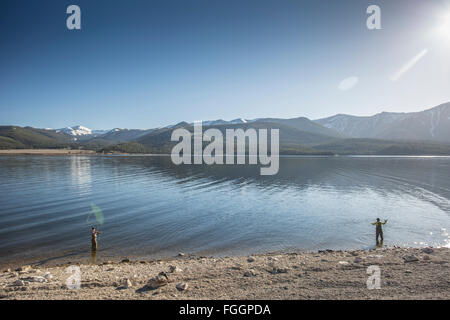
(94, 234)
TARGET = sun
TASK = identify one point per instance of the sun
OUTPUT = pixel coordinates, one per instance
(443, 29)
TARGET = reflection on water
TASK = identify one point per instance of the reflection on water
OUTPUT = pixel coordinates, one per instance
(80, 171)
(150, 207)
(93, 256)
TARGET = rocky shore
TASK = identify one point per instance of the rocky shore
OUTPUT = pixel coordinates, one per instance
(405, 273)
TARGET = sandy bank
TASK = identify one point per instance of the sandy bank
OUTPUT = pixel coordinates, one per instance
(323, 275)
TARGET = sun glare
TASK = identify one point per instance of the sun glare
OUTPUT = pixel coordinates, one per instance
(443, 29)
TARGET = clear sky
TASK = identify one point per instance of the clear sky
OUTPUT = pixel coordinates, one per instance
(143, 64)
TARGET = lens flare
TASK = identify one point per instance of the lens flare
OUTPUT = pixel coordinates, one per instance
(99, 218)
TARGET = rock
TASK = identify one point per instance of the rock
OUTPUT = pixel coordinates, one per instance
(354, 253)
(249, 273)
(125, 260)
(357, 260)
(7, 270)
(48, 276)
(180, 254)
(426, 257)
(410, 258)
(164, 274)
(408, 271)
(278, 270)
(35, 279)
(127, 284)
(343, 262)
(181, 286)
(18, 283)
(160, 280)
(251, 259)
(175, 269)
(427, 250)
(25, 268)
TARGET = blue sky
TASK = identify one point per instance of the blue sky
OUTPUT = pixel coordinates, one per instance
(142, 64)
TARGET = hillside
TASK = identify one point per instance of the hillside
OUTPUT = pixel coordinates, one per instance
(123, 135)
(303, 124)
(14, 137)
(288, 134)
(290, 137)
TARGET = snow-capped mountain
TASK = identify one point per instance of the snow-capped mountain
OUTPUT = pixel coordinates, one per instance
(100, 132)
(221, 121)
(432, 124)
(239, 120)
(211, 122)
(81, 131)
(76, 131)
(361, 127)
(214, 122)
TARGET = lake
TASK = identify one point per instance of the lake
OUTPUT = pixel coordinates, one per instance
(146, 207)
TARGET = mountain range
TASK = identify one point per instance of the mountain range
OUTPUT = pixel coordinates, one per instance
(428, 125)
(425, 132)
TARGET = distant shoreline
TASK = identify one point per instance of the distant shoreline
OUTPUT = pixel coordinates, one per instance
(45, 152)
(71, 152)
(93, 152)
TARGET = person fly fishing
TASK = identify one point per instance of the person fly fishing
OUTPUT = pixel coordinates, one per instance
(379, 230)
(94, 234)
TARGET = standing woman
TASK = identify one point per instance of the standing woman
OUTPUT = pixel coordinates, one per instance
(94, 234)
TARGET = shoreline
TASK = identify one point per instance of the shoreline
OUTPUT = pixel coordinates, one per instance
(95, 153)
(406, 273)
(46, 152)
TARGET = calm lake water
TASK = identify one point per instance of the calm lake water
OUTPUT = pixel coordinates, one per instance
(147, 207)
